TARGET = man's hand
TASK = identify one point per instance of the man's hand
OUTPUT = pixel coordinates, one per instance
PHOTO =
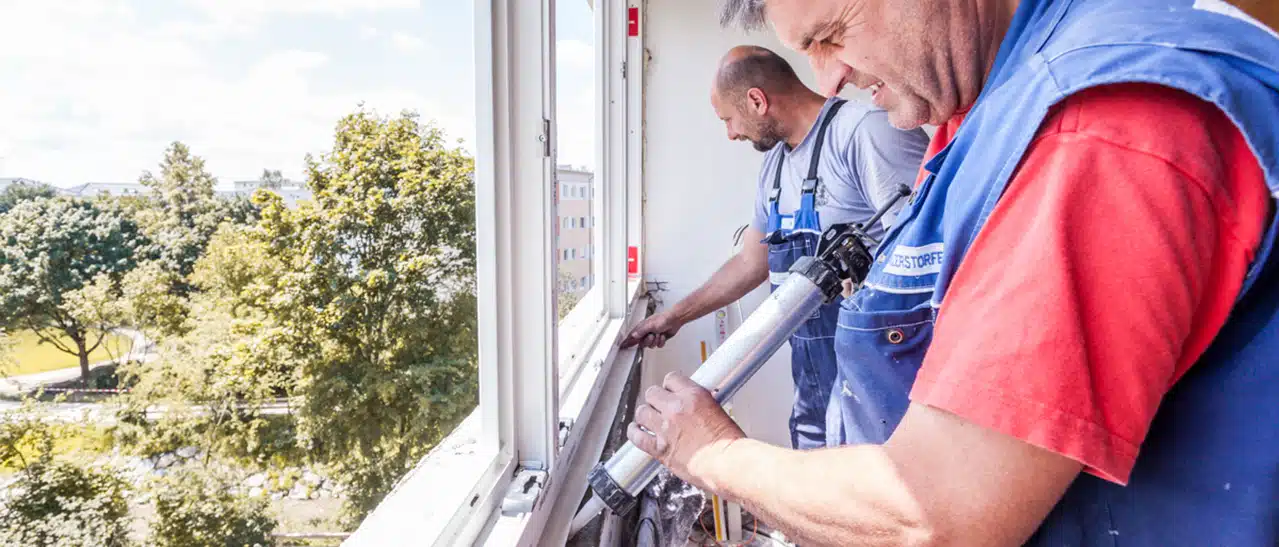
(686, 428)
(654, 331)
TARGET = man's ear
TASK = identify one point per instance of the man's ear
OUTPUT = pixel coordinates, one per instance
(757, 101)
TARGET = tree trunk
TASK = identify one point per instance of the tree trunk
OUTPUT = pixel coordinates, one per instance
(84, 361)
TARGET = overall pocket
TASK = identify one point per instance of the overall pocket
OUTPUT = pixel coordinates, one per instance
(879, 354)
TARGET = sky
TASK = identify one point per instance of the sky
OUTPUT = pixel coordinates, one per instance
(96, 89)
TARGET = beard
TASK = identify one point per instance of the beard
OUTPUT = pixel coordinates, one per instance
(769, 134)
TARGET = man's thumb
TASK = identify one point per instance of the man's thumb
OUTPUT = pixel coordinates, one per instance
(631, 339)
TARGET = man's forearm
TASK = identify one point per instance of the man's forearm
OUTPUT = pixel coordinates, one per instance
(839, 496)
(731, 282)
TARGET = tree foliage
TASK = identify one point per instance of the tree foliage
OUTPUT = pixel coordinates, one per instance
(60, 503)
(19, 192)
(185, 211)
(148, 303)
(272, 179)
(229, 360)
(51, 250)
(55, 502)
(377, 292)
(195, 509)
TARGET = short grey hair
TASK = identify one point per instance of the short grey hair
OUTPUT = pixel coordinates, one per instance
(748, 14)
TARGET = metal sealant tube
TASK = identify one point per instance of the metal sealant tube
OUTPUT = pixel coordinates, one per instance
(730, 367)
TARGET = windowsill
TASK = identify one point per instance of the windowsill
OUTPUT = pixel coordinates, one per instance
(426, 499)
(456, 484)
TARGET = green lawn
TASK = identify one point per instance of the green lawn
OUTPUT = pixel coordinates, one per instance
(31, 356)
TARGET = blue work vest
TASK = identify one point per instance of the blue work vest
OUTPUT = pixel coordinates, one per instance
(789, 238)
(1208, 471)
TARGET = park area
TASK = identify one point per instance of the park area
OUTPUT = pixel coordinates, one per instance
(30, 355)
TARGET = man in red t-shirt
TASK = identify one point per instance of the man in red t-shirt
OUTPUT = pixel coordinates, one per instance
(1078, 306)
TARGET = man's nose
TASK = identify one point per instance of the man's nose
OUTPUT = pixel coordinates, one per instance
(733, 135)
(832, 74)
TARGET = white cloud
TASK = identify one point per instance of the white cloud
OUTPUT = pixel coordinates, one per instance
(575, 102)
(103, 100)
(575, 54)
(105, 91)
(253, 11)
(407, 42)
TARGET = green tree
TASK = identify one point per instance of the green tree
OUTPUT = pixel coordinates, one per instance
(55, 502)
(50, 250)
(147, 302)
(565, 299)
(21, 191)
(227, 360)
(199, 509)
(377, 294)
(185, 211)
(60, 503)
(272, 179)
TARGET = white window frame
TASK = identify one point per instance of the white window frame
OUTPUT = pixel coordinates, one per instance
(454, 496)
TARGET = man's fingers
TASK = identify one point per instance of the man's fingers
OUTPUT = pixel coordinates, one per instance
(643, 441)
(675, 381)
(637, 335)
(648, 418)
(661, 400)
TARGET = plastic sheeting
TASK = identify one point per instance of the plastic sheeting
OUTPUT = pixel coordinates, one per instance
(670, 507)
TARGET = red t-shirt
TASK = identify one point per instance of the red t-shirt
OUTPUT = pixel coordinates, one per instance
(1104, 272)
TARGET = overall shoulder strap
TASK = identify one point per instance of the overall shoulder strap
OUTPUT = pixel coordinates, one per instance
(815, 159)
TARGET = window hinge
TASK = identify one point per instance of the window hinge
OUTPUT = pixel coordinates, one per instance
(525, 489)
(623, 70)
(545, 137)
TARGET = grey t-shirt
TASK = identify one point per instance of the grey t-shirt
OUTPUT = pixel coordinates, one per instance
(864, 159)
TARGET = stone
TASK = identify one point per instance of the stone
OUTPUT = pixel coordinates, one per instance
(256, 492)
(309, 477)
(166, 461)
(255, 480)
(276, 495)
(188, 452)
(300, 492)
(145, 464)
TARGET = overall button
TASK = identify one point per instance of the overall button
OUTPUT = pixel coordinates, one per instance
(895, 336)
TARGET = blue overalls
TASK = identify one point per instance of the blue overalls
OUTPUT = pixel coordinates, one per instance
(790, 237)
(1208, 471)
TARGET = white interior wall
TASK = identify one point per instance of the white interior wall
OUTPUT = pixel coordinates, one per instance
(699, 187)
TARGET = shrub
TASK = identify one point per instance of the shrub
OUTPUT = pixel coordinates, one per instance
(201, 510)
(59, 503)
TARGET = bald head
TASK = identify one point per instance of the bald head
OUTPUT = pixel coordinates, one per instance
(760, 99)
(746, 67)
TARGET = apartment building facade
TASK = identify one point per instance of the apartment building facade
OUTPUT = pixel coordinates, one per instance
(575, 229)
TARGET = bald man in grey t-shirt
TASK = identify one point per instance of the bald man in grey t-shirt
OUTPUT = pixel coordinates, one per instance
(862, 161)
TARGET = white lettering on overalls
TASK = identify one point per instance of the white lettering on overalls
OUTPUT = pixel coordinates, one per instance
(1223, 8)
(915, 260)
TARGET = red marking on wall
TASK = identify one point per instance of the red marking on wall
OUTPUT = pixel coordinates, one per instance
(632, 22)
(632, 261)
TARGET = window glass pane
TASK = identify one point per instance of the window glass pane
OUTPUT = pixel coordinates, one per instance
(348, 346)
(576, 139)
